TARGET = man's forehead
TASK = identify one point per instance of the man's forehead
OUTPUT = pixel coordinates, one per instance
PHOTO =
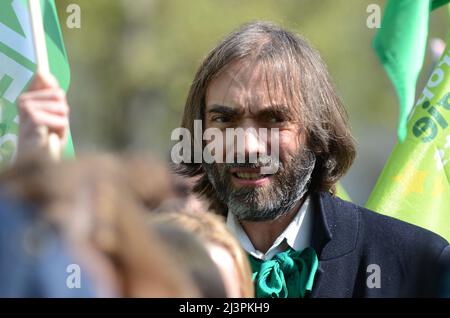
(244, 87)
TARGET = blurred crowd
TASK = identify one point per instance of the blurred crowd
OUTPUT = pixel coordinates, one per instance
(112, 226)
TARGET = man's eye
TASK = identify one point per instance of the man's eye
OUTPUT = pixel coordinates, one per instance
(220, 119)
(275, 120)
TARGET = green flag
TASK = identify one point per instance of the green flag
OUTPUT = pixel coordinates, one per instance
(415, 183)
(18, 65)
(400, 44)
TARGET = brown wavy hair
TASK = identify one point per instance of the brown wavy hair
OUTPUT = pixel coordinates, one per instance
(100, 219)
(294, 67)
(211, 228)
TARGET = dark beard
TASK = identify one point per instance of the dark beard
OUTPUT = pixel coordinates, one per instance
(288, 185)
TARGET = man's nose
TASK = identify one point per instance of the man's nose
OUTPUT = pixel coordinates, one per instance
(252, 142)
(251, 146)
(246, 145)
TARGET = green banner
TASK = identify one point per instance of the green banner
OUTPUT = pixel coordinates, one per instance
(415, 185)
(400, 44)
(18, 65)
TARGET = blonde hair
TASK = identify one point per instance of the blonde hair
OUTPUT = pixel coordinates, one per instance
(211, 228)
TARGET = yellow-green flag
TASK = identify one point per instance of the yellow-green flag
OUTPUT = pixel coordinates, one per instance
(415, 183)
(340, 192)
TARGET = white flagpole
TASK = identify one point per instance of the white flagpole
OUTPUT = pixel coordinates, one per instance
(40, 49)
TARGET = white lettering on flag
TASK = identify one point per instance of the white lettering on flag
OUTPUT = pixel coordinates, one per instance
(16, 41)
(20, 75)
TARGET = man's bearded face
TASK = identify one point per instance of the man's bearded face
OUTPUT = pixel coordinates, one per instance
(240, 98)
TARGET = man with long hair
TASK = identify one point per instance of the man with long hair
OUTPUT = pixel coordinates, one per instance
(262, 76)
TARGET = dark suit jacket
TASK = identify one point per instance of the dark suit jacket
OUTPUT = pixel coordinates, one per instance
(366, 254)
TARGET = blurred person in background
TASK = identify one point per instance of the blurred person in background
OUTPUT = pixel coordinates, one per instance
(157, 186)
(150, 179)
(33, 257)
(172, 203)
(93, 210)
(221, 244)
(159, 191)
(191, 255)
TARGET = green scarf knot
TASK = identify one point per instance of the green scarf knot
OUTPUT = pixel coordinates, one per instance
(290, 274)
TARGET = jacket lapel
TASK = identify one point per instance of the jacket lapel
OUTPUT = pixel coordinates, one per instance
(335, 234)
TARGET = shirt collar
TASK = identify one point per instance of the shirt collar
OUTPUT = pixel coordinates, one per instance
(297, 234)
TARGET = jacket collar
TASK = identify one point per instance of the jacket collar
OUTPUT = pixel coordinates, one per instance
(336, 225)
(335, 234)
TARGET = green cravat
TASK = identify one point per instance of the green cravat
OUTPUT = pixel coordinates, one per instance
(288, 274)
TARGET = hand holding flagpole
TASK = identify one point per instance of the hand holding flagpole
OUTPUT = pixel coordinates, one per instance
(40, 48)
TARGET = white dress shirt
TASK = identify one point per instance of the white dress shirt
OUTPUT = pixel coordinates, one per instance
(297, 234)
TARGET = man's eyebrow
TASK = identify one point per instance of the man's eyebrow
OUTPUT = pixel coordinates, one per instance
(221, 109)
(276, 110)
